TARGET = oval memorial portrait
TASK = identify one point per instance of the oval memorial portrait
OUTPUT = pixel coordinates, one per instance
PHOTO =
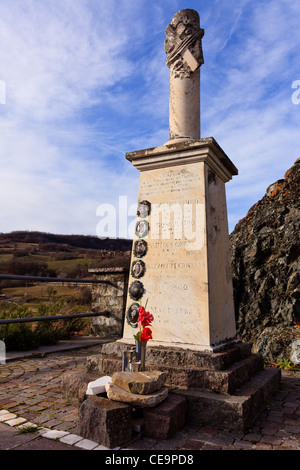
(143, 209)
(136, 290)
(140, 248)
(132, 315)
(142, 228)
(138, 269)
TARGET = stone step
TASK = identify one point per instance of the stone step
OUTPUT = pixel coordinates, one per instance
(104, 421)
(224, 381)
(180, 357)
(221, 381)
(232, 412)
(235, 376)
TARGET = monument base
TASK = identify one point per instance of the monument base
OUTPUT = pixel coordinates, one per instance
(227, 389)
(194, 347)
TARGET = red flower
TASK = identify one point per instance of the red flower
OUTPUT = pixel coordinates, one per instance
(148, 317)
(145, 319)
(146, 334)
(140, 321)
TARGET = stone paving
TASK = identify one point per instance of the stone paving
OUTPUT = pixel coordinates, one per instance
(30, 395)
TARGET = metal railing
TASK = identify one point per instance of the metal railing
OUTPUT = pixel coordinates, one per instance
(16, 277)
(52, 317)
(54, 279)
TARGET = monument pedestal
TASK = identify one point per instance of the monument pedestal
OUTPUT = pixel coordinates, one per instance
(226, 389)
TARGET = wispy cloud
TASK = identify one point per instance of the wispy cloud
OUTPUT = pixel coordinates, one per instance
(247, 97)
(57, 60)
(86, 81)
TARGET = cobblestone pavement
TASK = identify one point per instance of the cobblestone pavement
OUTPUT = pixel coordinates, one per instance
(30, 393)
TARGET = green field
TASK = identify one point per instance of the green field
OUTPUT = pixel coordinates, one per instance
(5, 257)
(69, 263)
(41, 291)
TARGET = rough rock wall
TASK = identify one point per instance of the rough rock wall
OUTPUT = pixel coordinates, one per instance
(265, 259)
(109, 296)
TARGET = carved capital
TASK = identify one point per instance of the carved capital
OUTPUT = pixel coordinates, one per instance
(183, 44)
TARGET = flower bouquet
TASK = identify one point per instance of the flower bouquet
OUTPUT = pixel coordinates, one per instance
(143, 335)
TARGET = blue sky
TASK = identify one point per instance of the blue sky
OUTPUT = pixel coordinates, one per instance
(82, 82)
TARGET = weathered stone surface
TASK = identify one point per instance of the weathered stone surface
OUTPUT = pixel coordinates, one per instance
(118, 394)
(232, 412)
(104, 421)
(74, 384)
(227, 389)
(171, 356)
(178, 273)
(184, 58)
(116, 348)
(165, 419)
(265, 258)
(183, 377)
(295, 355)
(188, 358)
(189, 369)
(234, 377)
(221, 372)
(107, 296)
(142, 383)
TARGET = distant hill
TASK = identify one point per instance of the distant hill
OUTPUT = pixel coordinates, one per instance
(46, 254)
(79, 241)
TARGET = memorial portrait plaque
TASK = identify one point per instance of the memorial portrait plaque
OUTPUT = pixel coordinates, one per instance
(140, 248)
(132, 315)
(142, 228)
(138, 269)
(143, 209)
(136, 290)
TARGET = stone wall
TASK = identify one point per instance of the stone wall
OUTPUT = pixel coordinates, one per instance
(109, 296)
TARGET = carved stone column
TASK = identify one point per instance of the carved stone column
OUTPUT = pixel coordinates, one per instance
(184, 58)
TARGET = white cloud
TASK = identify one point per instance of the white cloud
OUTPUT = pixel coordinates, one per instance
(55, 59)
(246, 97)
(86, 82)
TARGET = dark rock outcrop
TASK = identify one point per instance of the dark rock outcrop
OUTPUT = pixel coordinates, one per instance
(265, 260)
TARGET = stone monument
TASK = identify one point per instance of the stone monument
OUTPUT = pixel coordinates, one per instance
(186, 266)
(181, 264)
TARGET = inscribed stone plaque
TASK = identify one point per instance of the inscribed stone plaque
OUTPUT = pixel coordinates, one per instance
(175, 280)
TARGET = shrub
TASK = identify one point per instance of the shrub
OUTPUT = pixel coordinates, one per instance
(25, 336)
(18, 336)
(85, 295)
